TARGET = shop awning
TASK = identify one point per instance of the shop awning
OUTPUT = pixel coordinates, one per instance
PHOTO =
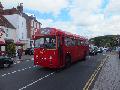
(18, 43)
(2, 42)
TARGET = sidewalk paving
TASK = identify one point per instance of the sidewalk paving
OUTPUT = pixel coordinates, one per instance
(109, 77)
(24, 57)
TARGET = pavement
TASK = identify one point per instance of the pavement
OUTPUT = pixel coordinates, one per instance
(23, 58)
(109, 76)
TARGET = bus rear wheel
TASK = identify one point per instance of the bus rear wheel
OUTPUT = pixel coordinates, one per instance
(67, 61)
(84, 58)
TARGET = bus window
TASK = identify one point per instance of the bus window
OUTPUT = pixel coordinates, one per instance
(79, 42)
(46, 42)
(68, 41)
(39, 42)
(74, 43)
(82, 43)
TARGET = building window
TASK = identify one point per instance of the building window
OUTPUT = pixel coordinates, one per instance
(36, 25)
(22, 36)
(39, 25)
(33, 24)
(6, 32)
(18, 26)
(22, 24)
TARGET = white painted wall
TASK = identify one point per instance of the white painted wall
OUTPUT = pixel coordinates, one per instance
(11, 33)
(19, 23)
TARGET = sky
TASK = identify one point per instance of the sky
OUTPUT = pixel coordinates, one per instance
(89, 18)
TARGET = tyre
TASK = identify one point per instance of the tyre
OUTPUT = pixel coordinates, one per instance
(84, 58)
(67, 61)
(2, 66)
(6, 65)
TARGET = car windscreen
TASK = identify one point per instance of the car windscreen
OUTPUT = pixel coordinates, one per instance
(46, 42)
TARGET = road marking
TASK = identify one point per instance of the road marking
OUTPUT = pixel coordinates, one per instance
(3, 75)
(14, 71)
(17, 62)
(93, 76)
(36, 81)
(17, 71)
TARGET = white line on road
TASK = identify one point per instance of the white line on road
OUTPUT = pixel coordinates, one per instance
(17, 62)
(17, 71)
(36, 81)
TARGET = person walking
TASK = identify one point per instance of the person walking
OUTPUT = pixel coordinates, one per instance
(19, 53)
(119, 52)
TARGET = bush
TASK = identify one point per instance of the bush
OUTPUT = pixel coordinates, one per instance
(10, 48)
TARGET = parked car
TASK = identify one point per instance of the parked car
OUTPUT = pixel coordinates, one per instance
(29, 51)
(5, 61)
(93, 50)
(100, 50)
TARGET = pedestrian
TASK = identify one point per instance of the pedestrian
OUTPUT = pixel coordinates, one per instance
(119, 51)
(19, 53)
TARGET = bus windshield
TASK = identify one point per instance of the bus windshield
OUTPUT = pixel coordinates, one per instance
(46, 42)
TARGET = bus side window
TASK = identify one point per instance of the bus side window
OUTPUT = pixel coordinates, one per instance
(67, 41)
(76, 42)
(79, 42)
(73, 42)
(62, 41)
(82, 43)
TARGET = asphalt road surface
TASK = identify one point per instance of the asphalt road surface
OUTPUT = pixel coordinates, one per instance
(25, 76)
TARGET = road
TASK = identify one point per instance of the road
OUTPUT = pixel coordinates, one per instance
(26, 76)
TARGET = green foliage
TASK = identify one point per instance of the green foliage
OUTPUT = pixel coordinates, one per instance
(107, 41)
(10, 48)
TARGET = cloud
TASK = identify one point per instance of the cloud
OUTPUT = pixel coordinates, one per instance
(88, 6)
(113, 7)
(87, 18)
(65, 26)
(44, 6)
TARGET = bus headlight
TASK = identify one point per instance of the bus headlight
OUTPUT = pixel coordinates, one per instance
(36, 56)
(50, 57)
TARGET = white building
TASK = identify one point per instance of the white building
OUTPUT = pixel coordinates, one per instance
(19, 23)
(7, 33)
(25, 25)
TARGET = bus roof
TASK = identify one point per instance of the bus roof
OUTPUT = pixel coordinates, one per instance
(53, 31)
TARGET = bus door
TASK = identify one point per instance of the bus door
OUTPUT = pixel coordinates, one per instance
(60, 50)
(76, 49)
(80, 49)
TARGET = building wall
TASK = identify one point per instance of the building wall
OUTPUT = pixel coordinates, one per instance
(34, 25)
(19, 23)
(9, 34)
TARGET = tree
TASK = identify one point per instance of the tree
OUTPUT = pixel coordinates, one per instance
(107, 41)
(10, 48)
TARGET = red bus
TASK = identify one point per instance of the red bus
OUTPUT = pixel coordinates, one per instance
(55, 48)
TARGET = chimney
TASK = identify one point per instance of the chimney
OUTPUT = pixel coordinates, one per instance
(1, 6)
(20, 8)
